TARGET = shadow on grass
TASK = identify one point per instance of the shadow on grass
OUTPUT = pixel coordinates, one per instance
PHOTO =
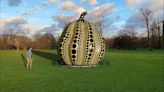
(56, 60)
(24, 60)
(105, 62)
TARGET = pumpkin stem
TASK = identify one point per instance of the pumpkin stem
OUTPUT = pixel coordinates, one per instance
(82, 16)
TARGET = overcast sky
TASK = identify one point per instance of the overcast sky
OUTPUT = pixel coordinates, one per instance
(40, 16)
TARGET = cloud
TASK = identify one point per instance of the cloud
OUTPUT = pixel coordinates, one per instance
(53, 1)
(151, 4)
(52, 29)
(19, 26)
(12, 24)
(135, 5)
(91, 2)
(134, 21)
(133, 2)
(70, 6)
(67, 5)
(98, 13)
(14, 2)
(29, 27)
(34, 9)
(30, 30)
(103, 9)
(63, 19)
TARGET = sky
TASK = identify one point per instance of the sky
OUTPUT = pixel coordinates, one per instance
(50, 16)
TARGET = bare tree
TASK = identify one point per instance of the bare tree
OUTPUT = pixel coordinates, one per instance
(159, 34)
(100, 23)
(163, 34)
(154, 35)
(45, 41)
(146, 16)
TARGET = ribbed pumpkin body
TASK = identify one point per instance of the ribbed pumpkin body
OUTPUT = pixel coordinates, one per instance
(81, 44)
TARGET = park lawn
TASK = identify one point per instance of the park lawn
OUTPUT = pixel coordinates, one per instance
(121, 71)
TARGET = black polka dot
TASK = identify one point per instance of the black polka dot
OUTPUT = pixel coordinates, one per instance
(74, 45)
(90, 28)
(91, 40)
(73, 51)
(74, 41)
(73, 56)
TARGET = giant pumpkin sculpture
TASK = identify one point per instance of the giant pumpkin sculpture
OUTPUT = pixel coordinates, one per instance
(81, 43)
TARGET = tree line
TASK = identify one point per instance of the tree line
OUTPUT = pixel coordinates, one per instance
(125, 39)
(21, 42)
(129, 39)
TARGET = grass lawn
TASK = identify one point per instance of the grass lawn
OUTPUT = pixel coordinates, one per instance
(126, 71)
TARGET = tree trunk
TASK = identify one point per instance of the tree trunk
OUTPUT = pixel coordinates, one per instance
(163, 35)
(17, 48)
(148, 36)
(159, 37)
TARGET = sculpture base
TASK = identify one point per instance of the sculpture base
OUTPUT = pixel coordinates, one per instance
(82, 66)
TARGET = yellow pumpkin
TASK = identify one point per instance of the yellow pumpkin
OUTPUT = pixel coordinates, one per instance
(81, 43)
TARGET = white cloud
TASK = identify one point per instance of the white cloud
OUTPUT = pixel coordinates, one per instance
(135, 5)
(12, 25)
(99, 12)
(70, 6)
(133, 2)
(53, 1)
(63, 19)
(151, 4)
(19, 26)
(13, 22)
(91, 2)
(102, 10)
(52, 29)
(2, 25)
(34, 9)
(31, 27)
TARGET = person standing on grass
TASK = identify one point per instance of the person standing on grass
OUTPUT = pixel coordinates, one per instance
(29, 59)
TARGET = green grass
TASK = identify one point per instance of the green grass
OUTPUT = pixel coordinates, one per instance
(127, 71)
